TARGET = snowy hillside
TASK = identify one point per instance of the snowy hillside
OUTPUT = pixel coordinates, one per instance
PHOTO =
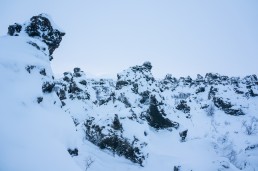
(35, 133)
(136, 122)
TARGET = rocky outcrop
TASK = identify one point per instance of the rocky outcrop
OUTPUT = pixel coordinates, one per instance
(156, 118)
(137, 97)
(226, 106)
(111, 138)
(182, 106)
(40, 27)
(73, 85)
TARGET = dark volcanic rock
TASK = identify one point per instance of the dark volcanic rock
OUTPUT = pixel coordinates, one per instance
(188, 80)
(13, 30)
(41, 28)
(226, 106)
(251, 93)
(169, 82)
(200, 90)
(116, 123)
(114, 142)
(145, 97)
(29, 68)
(122, 147)
(212, 78)
(48, 87)
(73, 152)
(183, 107)
(212, 92)
(147, 65)
(39, 99)
(120, 84)
(183, 135)
(155, 116)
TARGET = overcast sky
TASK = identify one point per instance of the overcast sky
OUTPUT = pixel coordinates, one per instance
(182, 37)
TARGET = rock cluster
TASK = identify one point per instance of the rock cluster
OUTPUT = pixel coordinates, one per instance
(137, 97)
(39, 27)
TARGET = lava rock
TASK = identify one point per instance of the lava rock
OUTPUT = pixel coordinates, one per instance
(147, 65)
(183, 135)
(29, 68)
(200, 90)
(212, 92)
(83, 82)
(39, 27)
(39, 100)
(155, 116)
(47, 87)
(238, 91)
(188, 80)
(43, 72)
(177, 168)
(251, 93)
(218, 102)
(183, 107)
(61, 94)
(226, 107)
(169, 82)
(199, 79)
(116, 143)
(14, 30)
(145, 97)
(76, 69)
(120, 84)
(73, 152)
(251, 147)
(122, 147)
(135, 88)
(77, 72)
(73, 88)
(215, 79)
(116, 123)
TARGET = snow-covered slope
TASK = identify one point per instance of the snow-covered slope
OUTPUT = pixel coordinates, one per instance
(35, 133)
(133, 123)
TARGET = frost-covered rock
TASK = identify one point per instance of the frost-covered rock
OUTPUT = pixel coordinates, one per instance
(136, 99)
(40, 27)
(183, 105)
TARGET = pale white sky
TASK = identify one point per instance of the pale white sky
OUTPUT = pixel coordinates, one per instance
(183, 37)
